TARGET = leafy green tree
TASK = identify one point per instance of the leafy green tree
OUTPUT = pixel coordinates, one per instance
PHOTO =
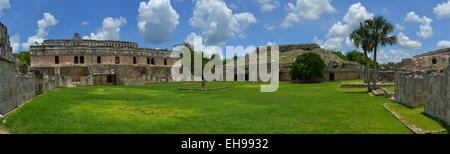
(387, 66)
(340, 55)
(360, 58)
(24, 57)
(308, 67)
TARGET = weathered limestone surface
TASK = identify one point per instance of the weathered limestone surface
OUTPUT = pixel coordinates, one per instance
(16, 87)
(434, 60)
(438, 97)
(410, 89)
(430, 89)
(92, 62)
(7, 73)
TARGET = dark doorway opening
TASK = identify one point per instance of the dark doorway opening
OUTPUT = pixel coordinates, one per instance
(110, 79)
(332, 78)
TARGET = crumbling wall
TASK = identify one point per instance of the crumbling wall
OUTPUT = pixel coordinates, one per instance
(431, 89)
(410, 89)
(7, 86)
(25, 89)
(438, 96)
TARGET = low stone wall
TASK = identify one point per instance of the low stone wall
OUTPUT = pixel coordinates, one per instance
(26, 89)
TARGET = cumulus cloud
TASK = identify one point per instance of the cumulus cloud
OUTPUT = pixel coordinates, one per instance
(110, 29)
(399, 27)
(44, 25)
(218, 22)
(407, 43)
(340, 31)
(393, 55)
(197, 42)
(306, 9)
(442, 10)
(15, 43)
(4, 4)
(268, 5)
(426, 31)
(157, 20)
(442, 44)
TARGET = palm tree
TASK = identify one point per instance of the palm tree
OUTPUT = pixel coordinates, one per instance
(361, 38)
(380, 30)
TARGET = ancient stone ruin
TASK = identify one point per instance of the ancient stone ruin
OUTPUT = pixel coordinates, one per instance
(16, 87)
(93, 62)
(428, 88)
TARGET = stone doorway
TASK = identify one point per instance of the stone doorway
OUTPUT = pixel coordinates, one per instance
(107, 79)
(331, 77)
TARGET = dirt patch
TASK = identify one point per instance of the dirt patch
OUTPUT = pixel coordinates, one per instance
(149, 111)
(2, 131)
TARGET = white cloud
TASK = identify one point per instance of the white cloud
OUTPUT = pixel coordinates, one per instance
(271, 43)
(43, 26)
(393, 55)
(442, 11)
(270, 27)
(110, 29)
(426, 31)
(15, 43)
(4, 4)
(218, 21)
(341, 30)
(268, 5)
(157, 20)
(399, 27)
(306, 9)
(197, 42)
(85, 23)
(407, 43)
(442, 44)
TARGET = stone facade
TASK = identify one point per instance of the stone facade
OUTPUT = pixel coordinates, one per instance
(432, 89)
(432, 61)
(92, 62)
(337, 69)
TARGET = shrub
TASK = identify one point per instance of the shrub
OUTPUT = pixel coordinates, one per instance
(308, 67)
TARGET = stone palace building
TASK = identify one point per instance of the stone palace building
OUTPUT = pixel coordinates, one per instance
(93, 62)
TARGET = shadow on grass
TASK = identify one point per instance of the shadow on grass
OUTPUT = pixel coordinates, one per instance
(442, 123)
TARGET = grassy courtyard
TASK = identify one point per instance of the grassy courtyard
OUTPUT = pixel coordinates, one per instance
(162, 109)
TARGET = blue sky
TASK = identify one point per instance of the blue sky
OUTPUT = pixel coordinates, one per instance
(257, 22)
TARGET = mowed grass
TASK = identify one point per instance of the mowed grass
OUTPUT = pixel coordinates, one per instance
(418, 118)
(162, 109)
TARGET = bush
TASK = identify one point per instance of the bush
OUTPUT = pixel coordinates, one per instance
(308, 67)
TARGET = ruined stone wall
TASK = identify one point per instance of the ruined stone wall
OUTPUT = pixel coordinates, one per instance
(435, 61)
(7, 73)
(437, 101)
(7, 86)
(430, 89)
(410, 89)
(382, 76)
(26, 89)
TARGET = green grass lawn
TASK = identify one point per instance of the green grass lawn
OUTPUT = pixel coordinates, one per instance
(417, 117)
(162, 109)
